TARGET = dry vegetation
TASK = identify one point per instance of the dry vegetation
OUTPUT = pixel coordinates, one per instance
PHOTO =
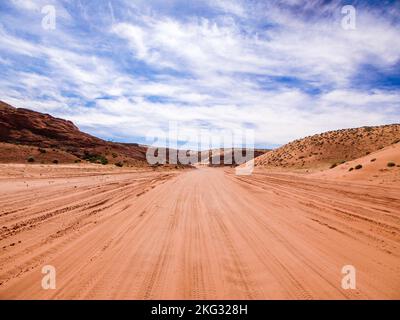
(330, 149)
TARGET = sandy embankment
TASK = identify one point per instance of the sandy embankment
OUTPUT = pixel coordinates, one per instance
(196, 234)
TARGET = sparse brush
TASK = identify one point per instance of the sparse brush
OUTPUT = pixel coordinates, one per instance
(391, 164)
(119, 164)
(333, 165)
(351, 169)
(358, 167)
(31, 159)
(373, 160)
(95, 158)
(55, 161)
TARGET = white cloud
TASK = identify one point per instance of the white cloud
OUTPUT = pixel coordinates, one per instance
(26, 4)
(147, 69)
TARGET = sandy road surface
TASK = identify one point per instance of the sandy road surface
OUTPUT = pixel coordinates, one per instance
(199, 234)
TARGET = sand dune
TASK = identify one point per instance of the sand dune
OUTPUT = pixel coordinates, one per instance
(194, 234)
(382, 167)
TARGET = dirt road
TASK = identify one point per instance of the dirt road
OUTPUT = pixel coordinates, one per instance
(199, 234)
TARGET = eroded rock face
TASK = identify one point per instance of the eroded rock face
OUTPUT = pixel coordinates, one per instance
(19, 125)
(26, 127)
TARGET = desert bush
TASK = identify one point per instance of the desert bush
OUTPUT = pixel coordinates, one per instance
(333, 165)
(55, 161)
(77, 161)
(367, 153)
(373, 160)
(95, 158)
(119, 164)
(391, 164)
(351, 169)
(114, 155)
(31, 159)
(357, 167)
(41, 150)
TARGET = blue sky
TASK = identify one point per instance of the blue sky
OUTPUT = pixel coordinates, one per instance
(286, 69)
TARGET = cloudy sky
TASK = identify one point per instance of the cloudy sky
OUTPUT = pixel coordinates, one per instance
(285, 69)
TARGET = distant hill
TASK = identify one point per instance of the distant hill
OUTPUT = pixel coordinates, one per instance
(57, 138)
(321, 151)
(28, 134)
(225, 156)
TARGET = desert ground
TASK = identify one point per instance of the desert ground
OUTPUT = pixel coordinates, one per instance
(202, 233)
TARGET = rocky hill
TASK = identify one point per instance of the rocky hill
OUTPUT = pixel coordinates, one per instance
(331, 148)
(49, 137)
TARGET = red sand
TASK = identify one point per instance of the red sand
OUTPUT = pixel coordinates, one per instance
(197, 234)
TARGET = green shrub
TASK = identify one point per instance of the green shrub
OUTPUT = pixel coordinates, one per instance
(358, 167)
(31, 159)
(95, 158)
(368, 129)
(391, 164)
